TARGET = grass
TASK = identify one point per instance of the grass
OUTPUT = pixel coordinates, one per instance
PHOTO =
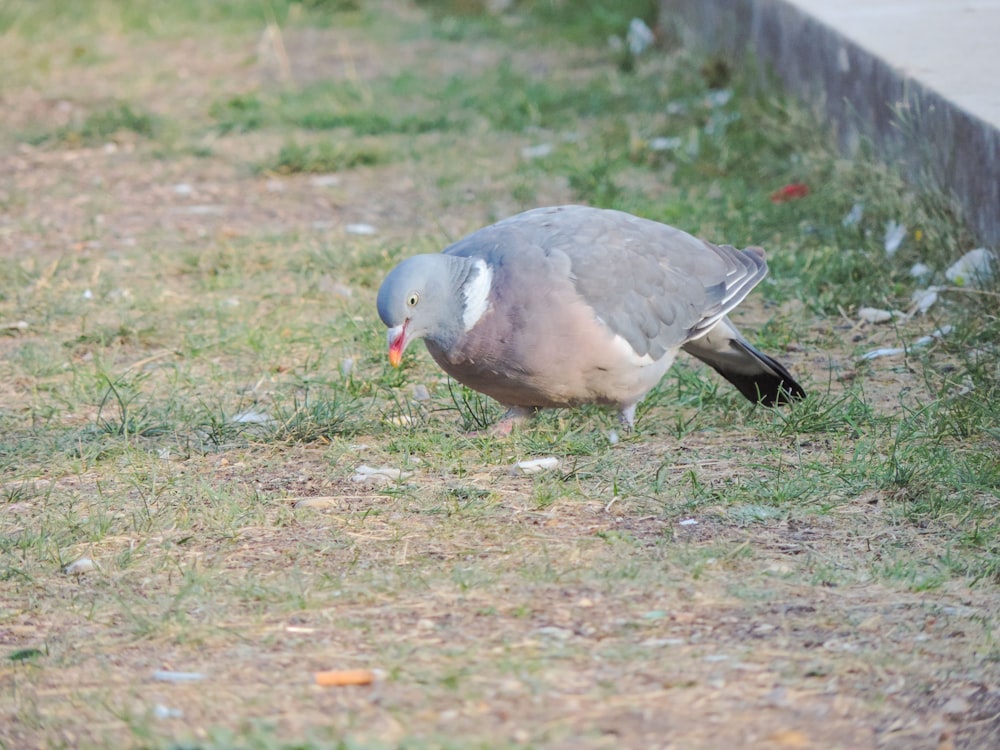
(201, 373)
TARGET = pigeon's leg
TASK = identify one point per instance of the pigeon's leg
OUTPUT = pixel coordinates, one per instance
(627, 418)
(515, 415)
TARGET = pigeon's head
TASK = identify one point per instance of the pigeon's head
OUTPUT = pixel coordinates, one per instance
(422, 298)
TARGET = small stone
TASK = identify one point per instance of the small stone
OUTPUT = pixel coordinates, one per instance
(420, 393)
(322, 501)
(956, 707)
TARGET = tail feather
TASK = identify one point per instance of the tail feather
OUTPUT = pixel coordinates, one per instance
(760, 378)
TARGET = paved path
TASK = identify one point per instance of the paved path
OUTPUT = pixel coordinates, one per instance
(952, 46)
(919, 79)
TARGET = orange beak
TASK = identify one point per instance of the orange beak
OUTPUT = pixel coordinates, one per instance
(397, 344)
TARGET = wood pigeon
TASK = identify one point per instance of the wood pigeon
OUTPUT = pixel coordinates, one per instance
(568, 305)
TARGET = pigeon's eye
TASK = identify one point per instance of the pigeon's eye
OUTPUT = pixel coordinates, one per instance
(412, 299)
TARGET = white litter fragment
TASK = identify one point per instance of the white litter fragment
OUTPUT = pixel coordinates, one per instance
(362, 229)
(718, 97)
(79, 567)
(853, 217)
(163, 712)
(894, 235)
(973, 268)
(688, 522)
(613, 437)
(887, 351)
(325, 180)
(252, 416)
(537, 151)
(87, 294)
(537, 465)
(920, 271)
(183, 188)
(165, 675)
(875, 315)
(200, 210)
(347, 366)
(640, 37)
(921, 342)
(924, 299)
(931, 338)
(379, 474)
(665, 144)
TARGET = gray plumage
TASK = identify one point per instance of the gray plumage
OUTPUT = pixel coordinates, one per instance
(568, 305)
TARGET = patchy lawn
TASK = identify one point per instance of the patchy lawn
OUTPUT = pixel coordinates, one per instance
(197, 204)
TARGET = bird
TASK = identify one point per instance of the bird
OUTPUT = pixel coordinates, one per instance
(568, 305)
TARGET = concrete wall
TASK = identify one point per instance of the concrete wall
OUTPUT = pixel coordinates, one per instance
(932, 141)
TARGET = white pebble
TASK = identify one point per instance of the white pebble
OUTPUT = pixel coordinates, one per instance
(688, 522)
(347, 366)
(183, 188)
(920, 270)
(613, 437)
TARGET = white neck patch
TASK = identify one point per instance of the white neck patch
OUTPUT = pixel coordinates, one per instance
(476, 294)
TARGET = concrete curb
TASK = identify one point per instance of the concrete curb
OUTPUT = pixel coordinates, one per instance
(934, 142)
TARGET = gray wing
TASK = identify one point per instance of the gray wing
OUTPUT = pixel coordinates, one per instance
(655, 286)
